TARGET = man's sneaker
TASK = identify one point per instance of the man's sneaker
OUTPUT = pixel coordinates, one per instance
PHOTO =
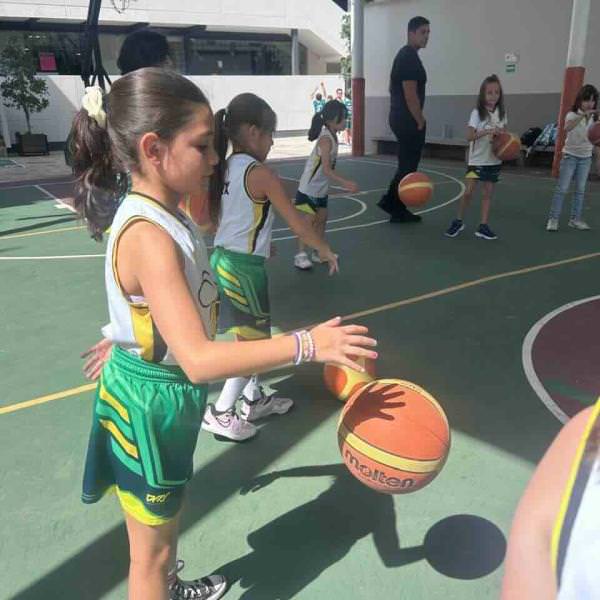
(579, 224)
(552, 225)
(301, 261)
(483, 231)
(263, 407)
(227, 424)
(205, 588)
(314, 257)
(405, 217)
(455, 228)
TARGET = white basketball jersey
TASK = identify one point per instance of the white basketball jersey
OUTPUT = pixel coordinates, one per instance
(246, 223)
(131, 324)
(576, 539)
(314, 182)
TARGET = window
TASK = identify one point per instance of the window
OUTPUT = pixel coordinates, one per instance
(53, 52)
(239, 57)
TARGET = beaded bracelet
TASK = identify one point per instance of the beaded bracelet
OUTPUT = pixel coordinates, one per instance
(305, 347)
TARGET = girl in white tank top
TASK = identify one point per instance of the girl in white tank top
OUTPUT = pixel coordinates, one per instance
(319, 171)
(162, 304)
(250, 192)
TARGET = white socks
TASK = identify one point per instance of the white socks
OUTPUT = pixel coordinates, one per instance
(230, 393)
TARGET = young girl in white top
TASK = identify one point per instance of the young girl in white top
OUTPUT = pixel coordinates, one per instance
(162, 300)
(487, 120)
(576, 160)
(249, 193)
(312, 194)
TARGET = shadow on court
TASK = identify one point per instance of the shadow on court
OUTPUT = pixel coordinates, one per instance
(295, 548)
(36, 226)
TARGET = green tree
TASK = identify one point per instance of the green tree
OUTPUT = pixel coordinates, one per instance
(21, 88)
(346, 33)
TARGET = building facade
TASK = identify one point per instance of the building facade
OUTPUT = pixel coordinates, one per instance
(224, 45)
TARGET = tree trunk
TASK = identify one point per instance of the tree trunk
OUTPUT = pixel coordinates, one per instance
(27, 119)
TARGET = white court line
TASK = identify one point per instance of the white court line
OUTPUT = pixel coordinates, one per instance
(59, 202)
(51, 257)
(527, 358)
(289, 237)
(360, 211)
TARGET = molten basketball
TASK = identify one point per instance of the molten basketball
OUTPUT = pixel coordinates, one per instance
(506, 146)
(415, 189)
(195, 206)
(342, 382)
(594, 133)
(393, 436)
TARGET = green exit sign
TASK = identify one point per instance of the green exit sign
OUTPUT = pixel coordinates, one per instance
(511, 68)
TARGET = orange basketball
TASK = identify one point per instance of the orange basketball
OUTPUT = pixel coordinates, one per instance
(415, 189)
(196, 207)
(506, 146)
(594, 133)
(393, 436)
(342, 382)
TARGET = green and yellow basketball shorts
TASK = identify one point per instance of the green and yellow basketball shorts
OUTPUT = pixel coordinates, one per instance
(310, 204)
(244, 294)
(145, 426)
(489, 173)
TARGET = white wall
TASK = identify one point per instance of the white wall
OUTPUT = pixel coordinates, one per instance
(468, 41)
(288, 95)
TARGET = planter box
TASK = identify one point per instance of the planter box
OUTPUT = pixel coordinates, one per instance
(32, 144)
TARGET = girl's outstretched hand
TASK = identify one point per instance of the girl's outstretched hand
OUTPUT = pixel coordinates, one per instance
(351, 186)
(332, 259)
(336, 343)
(97, 356)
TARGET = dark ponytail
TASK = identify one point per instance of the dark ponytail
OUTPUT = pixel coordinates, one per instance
(334, 110)
(244, 109)
(217, 180)
(146, 100)
(98, 184)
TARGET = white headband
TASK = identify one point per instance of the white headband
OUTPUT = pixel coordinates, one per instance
(92, 103)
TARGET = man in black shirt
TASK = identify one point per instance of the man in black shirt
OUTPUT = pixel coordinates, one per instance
(407, 97)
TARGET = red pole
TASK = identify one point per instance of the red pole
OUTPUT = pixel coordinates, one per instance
(358, 116)
(574, 78)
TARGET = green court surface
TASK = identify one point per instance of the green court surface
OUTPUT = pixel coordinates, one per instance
(280, 515)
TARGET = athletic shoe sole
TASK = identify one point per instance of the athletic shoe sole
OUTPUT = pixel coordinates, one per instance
(453, 235)
(273, 412)
(485, 237)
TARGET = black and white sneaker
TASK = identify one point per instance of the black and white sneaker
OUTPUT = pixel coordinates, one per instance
(455, 228)
(265, 405)
(483, 231)
(205, 588)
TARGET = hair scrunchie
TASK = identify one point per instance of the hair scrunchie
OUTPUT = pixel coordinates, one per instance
(94, 106)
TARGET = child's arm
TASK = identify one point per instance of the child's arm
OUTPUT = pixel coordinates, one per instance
(528, 567)
(325, 150)
(264, 183)
(162, 282)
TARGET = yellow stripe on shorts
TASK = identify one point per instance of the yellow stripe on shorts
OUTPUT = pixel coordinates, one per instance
(235, 296)
(225, 275)
(112, 401)
(120, 438)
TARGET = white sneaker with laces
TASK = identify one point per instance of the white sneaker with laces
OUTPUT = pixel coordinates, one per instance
(227, 424)
(579, 224)
(301, 261)
(211, 587)
(552, 225)
(263, 407)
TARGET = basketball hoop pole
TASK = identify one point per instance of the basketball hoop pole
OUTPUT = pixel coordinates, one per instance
(358, 81)
(574, 73)
(91, 57)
